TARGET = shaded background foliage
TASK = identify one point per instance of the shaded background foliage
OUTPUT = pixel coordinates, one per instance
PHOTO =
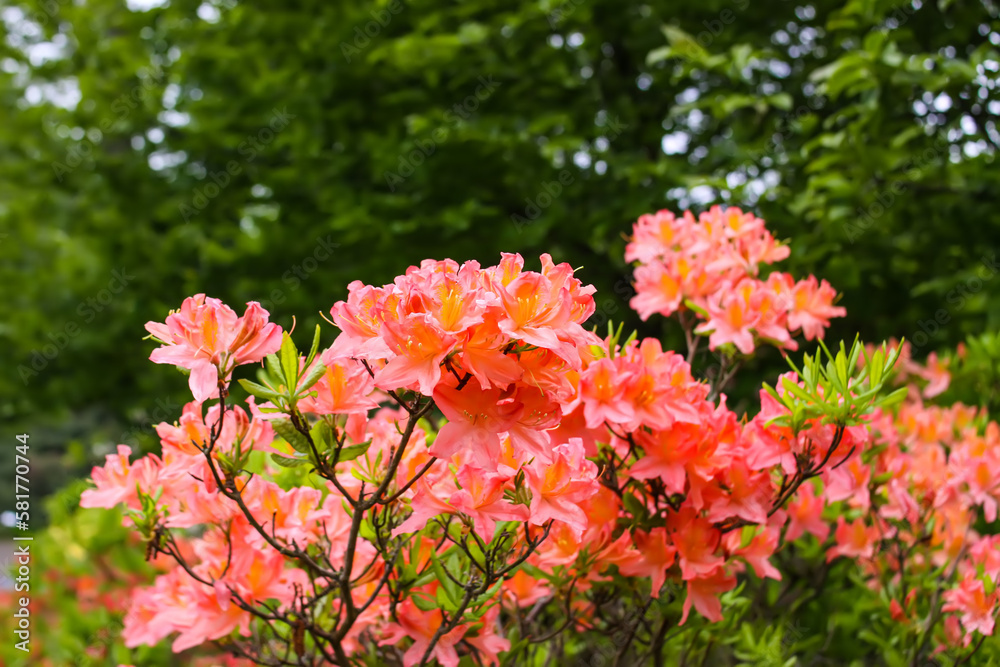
(865, 131)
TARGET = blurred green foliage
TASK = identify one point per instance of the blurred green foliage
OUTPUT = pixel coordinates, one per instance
(276, 151)
(975, 373)
(82, 567)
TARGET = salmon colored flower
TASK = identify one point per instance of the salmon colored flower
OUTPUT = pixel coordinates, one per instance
(805, 514)
(854, 539)
(345, 388)
(697, 542)
(206, 337)
(559, 488)
(476, 418)
(703, 593)
(977, 610)
(419, 347)
(525, 590)
(654, 556)
(481, 498)
(813, 307)
(420, 627)
(118, 480)
(731, 321)
(601, 460)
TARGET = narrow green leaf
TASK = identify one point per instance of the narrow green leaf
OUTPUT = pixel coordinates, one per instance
(476, 553)
(444, 600)
(442, 577)
(773, 392)
(747, 534)
(695, 307)
(823, 346)
(315, 347)
(842, 373)
(876, 367)
(832, 377)
(856, 349)
(866, 396)
(427, 577)
(488, 596)
(289, 360)
(788, 359)
(636, 508)
(895, 355)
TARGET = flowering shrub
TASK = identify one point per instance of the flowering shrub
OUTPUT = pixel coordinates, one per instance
(467, 474)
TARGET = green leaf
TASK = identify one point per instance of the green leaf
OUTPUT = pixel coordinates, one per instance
(322, 436)
(634, 506)
(423, 602)
(856, 350)
(696, 308)
(447, 585)
(427, 577)
(274, 368)
(842, 374)
(352, 452)
(793, 388)
(291, 435)
(513, 657)
(444, 600)
(781, 101)
(894, 398)
(597, 351)
(683, 44)
(482, 603)
(476, 553)
(747, 534)
(311, 378)
(876, 366)
(367, 531)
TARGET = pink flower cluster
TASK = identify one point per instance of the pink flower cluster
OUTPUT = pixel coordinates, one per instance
(469, 316)
(711, 265)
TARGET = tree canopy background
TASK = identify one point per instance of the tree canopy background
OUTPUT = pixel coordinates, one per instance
(275, 151)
